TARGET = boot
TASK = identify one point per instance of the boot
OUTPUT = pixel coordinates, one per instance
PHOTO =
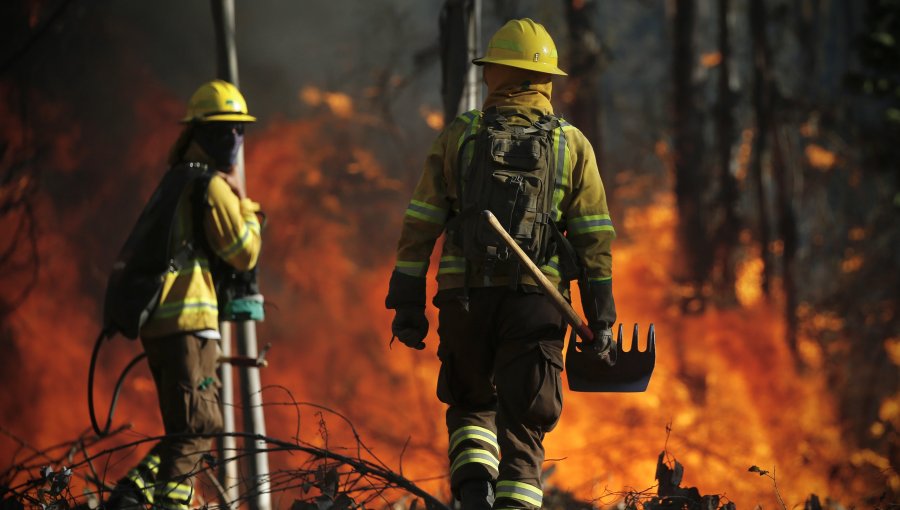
(476, 495)
(125, 496)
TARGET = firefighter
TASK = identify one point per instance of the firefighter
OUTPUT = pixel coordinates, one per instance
(181, 335)
(501, 339)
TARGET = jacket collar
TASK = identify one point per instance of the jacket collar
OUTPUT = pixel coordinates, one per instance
(521, 90)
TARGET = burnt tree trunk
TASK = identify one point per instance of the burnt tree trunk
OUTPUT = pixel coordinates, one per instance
(762, 109)
(807, 15)
(787, 226)
(454, 53)
(582, 91)
(728, 228)
(686, 141)
(807, 28)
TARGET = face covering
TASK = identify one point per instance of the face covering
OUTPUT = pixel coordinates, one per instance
(221, 141)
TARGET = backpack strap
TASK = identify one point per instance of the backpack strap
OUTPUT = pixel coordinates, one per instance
(461, 173)
(464, 213)
(569, 264)
(548, 122)
(199, 201)
(185, 253)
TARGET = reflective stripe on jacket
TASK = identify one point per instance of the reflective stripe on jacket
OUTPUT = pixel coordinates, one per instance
(579, 203)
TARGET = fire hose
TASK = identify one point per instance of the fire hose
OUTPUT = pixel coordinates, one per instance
(245, 361)
(105, 334)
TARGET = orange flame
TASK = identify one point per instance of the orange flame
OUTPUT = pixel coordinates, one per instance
(433, 118)
(711, 59)
(340, 104)
(725, 380)
(820, 158)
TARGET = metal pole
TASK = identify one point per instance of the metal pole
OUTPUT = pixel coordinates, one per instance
(259, 497)
(472, 94)
(226, 56)
(254, 419)
(228, 473)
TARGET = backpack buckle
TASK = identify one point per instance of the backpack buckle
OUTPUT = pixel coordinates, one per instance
(517, 181)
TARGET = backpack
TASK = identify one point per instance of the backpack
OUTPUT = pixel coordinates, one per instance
(135, 284)
(512, 173)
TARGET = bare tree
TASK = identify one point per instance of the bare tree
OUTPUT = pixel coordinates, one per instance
(586, 62)
(728, 227)
(687, 141)
(762, 109)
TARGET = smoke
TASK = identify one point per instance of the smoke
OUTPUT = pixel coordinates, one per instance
(103, 92)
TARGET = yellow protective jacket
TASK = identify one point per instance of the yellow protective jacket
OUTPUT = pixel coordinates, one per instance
(579, 200)
(188, 299)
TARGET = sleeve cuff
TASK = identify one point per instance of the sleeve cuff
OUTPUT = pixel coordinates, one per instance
(249, 206)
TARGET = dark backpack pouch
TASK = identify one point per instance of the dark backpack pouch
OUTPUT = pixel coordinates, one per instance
(135, 284)
(511, 174)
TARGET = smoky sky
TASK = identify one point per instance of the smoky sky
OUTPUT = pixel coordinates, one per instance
(97, 51)
(283, 45)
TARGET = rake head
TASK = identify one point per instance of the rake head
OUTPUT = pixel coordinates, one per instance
(629, 372)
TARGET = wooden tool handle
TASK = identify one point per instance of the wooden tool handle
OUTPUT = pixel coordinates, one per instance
(557, 299)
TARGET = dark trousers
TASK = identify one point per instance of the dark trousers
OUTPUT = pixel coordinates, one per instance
(184, 370)
(500, 375)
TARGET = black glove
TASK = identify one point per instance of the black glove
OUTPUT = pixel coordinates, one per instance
(600, 311)
(405, 291)
(410, 326)
(604, 345)
(406, 295)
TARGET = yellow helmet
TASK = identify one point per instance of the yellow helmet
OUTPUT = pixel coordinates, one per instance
(217, 101)
(524, 44)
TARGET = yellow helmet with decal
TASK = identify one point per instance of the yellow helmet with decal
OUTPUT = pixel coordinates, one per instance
(217, 101)
(524, 44)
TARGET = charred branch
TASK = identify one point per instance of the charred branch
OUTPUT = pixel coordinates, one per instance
(19, 255)
(336, 476)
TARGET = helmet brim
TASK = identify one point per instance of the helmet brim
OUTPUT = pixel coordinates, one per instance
(221, 117)
(519, 64)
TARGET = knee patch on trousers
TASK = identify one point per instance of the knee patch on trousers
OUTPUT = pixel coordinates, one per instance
(206, 415)
(530, 387)
(195, 411)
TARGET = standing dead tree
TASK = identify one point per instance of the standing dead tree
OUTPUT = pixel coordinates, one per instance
(762, 109)
(728, 226)
(687, 140)
(586, 60)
